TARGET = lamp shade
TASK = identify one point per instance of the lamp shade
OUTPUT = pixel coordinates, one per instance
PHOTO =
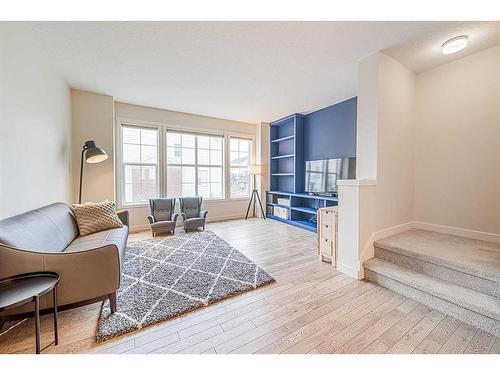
(256, 169)
(94, 154)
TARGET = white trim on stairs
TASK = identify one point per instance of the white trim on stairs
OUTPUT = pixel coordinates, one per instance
(468, 233)
(368, 251)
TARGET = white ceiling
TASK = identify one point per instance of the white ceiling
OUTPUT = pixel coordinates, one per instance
(247, 71)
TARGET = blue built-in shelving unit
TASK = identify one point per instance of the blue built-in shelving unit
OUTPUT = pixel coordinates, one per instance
(287, 175)
(327, 133)
(287, 154)
(302, 209)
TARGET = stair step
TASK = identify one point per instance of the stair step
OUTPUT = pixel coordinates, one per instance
(470, 263)
(475, 308)
(413, 261)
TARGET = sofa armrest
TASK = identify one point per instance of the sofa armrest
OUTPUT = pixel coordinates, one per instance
(151, 219)
(183, 215)
(84, 275)
(203, 214)
(175, 217)
(123, 216)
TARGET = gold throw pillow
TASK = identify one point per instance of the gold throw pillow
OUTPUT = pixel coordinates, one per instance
(96, 217)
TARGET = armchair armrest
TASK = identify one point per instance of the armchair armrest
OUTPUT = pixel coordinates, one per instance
(151, 219)
(183, 215)
(203, 214)
(123, 216)
(174, 217)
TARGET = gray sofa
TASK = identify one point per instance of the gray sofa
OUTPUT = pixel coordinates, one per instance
(47, 239)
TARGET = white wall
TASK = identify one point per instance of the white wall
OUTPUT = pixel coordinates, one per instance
(457, 144)
(382, 196)
(218, 209)
(35, 128)
(262, 154)
(92, 117)
(396, 121)
(435, 141)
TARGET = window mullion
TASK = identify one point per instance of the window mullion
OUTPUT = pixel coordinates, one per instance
(196, 165)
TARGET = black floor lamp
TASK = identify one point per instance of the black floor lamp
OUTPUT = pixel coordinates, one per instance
(255, 170)
(93, 155)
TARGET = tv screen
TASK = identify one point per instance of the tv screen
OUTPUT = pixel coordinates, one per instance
(322, 175)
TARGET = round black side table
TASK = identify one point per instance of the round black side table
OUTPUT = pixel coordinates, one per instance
(29, 287)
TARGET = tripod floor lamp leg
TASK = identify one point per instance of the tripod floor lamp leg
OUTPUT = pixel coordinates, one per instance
(260, 204)
(249, 204)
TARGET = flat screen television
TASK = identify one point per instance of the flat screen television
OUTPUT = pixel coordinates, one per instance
(322, 175)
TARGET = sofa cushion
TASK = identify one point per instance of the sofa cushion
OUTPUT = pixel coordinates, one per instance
(96, 217)
(47, 229)
(116, 236)
(194, 223)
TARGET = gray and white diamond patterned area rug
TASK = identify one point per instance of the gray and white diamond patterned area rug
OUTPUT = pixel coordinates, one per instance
(164, 278)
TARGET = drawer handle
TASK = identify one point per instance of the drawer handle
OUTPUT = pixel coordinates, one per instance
(326, 225)
(326, 239)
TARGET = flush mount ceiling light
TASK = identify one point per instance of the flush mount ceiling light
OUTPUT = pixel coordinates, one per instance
(454, 45)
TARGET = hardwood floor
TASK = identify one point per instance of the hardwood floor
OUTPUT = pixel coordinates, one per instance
(311, 308)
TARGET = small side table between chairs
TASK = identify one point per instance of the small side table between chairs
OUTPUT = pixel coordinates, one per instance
(29, 287)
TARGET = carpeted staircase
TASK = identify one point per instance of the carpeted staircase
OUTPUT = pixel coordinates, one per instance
(455, 275)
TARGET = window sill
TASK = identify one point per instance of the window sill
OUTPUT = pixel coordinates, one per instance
(142, 205)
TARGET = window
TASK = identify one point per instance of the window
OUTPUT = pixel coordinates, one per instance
(156, 161)
(140, 164)
(239, 161)
(195, 165)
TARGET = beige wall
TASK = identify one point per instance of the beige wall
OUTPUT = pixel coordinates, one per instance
(92, 119)
(367, 117)
(262, 153)
(396, 113)
(382, 195)
(34, 128)
(457, 160)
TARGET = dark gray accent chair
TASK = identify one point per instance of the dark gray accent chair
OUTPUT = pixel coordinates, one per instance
(192, 213)
(162, 218)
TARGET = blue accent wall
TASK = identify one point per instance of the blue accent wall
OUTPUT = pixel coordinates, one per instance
(330, 132)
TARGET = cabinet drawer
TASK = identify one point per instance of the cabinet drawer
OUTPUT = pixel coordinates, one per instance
(326, 231)
(327, 217)
(325, 246)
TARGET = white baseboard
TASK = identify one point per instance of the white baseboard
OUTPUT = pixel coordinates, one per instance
(348, 270)
(369, 252)
(468, 233)
(143, 227)
(138, 228)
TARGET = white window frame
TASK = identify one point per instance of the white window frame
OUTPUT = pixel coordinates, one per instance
(162, 156)
(251, 161)
(196, 165)
(121, 167)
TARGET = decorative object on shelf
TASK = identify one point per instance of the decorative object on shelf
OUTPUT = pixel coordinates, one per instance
(281, 212)
(93, 155)
(167, 277)
(29, 287)
(255, 170)
(162, 218)
(328, 234)
(283, 201)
